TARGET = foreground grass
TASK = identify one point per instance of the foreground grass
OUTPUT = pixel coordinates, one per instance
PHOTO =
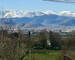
(44, 55)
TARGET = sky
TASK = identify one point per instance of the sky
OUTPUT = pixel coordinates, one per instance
(36, 5)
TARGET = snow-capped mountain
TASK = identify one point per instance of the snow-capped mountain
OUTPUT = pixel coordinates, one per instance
(20, 14)
(23, 19)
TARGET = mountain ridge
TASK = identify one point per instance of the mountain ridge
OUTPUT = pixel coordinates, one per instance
(43, 19)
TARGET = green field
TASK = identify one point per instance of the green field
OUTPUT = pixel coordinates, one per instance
(44, 55)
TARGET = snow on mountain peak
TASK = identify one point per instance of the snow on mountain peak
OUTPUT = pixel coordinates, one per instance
(61, 13)
(20, 14)
(67, 13)
(49, 12)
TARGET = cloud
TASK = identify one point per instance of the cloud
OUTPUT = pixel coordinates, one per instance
(61, 13)
(65, 1)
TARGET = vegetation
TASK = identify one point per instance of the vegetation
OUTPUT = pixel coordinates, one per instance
(55, 40)
(42, 46)
(44, 55)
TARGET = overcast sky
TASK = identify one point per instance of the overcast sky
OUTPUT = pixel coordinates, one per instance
(36, 5)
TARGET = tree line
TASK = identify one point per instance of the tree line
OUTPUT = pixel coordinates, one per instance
(15, 46)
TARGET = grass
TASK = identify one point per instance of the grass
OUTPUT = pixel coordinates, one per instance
(44, 55)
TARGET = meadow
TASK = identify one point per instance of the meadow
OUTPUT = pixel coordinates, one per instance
(44, 55)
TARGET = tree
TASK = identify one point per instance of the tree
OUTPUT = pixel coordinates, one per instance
(55, 40)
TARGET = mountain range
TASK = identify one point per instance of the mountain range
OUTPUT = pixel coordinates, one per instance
(48, 19)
